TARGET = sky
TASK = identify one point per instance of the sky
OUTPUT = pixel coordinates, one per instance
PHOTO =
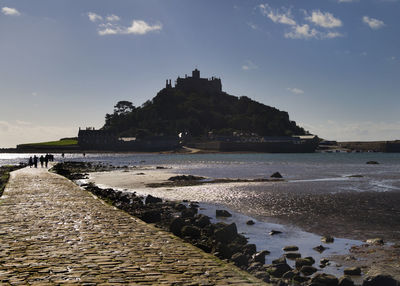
(333, 65)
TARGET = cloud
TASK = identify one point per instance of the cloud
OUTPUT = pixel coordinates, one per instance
(140, 27)
(347, 1)
(113, 18)
(325, 20)
(295, 90)
(374, 24)
(302, 32)
(284, 17)
(10, 11)
(249, 65)
(93, 17)
(253, 26)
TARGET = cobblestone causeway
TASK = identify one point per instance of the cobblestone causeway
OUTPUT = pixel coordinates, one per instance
(52, 232)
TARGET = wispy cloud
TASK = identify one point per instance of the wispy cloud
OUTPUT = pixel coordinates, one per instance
(108, 26)
(347, 1)
(93, 17)
(374, 24)
(318, 21)
(324, 19)
(277, 16)
(10, 11)
(295, 90)
(113, 18)
(249, 65)
(253, 26)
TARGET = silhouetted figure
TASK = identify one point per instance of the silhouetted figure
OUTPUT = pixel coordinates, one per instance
(35, 159)
(84, 154)
(41, 159)
(30, 162)
(62, 155)
(46, 160)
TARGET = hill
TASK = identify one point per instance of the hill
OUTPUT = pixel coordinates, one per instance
(197, 106)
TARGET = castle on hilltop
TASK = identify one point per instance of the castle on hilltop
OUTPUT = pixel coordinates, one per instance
(196, 83)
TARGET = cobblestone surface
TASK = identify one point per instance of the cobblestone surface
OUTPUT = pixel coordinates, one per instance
(52, 232)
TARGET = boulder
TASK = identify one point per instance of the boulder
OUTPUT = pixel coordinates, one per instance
(276, 175)
(345, 281)
(225, 233)
(308, 270)
(250, 222)
(372, 163)
(202, 221)
(254, 267)
(354, 271)
(260, 256)
(277, 270)
(191, 231)
(279, 260)
(222, 213)
(273, 232)
(180, 207)
(188, 213)
(290, 248)
(375, 241)
(249, 249)
(327, 239)
(240, 259)
(320, 248)
(292, 255)
(264, 276)
(380, 280)
(151, 216)
(300, 262)
(152, 200)
(176, 226)
(325, 280)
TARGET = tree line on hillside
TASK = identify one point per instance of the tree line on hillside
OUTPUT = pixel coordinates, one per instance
(173, 111)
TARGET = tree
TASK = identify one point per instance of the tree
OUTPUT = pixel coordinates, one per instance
(123, 107)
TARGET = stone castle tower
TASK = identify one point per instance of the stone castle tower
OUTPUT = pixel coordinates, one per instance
(196, 83)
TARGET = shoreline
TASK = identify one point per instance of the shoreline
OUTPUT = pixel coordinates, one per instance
(360, 252)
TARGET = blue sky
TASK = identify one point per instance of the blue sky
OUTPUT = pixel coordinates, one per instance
(334, 65)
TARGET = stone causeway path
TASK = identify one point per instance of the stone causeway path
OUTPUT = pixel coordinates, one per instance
(52, 232)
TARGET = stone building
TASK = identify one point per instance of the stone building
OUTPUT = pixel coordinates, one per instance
(195, 83)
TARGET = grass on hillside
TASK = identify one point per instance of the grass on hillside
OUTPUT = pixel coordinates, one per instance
(66, 142)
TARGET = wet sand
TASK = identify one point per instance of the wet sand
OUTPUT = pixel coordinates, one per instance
(351, 215)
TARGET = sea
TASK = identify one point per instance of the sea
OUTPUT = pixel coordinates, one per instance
(312, 173)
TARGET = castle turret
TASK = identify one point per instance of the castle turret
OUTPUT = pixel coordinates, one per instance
(196, 73)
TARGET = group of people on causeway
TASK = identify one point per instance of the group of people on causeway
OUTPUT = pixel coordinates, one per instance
(44, 160)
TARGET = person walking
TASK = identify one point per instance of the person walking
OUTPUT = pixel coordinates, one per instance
(46, 160)
(41, 159)
(35, 159)
(30, 162)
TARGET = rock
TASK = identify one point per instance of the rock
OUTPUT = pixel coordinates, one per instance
(292, 255)
(249, 249)
(355, 271)
(202, 221)
(320, 248)
(189, 213)
(225, 233)
(380, 280)
(260, 256)
(151, 216)
(308, 270)
(264, 276)
(176, 226)
(327, 239)
(372, 163)
(250, 222)
(222, 213)
(325, 280)
(345, 281)
(152, 200)
(240, 259)
(180, 207)
(278, 270)
(191, 231)
(273, 232)
(254, 267)
(309, 258)
(289, 275)
(276, 175)
(290, 248)
(279, 260)
(375, 241)
(324, 261)
(300, 262)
